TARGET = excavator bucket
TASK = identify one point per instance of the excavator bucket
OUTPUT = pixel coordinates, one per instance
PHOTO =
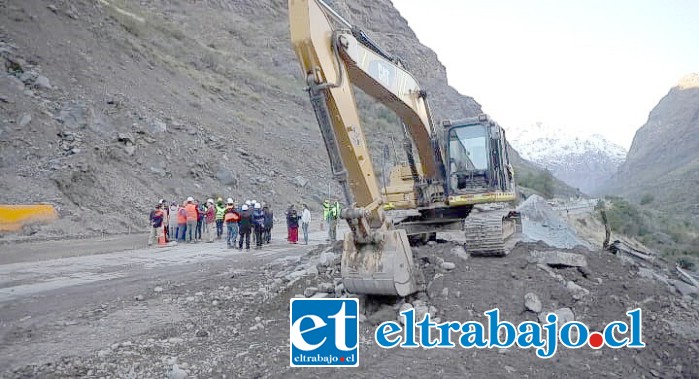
(383, 268)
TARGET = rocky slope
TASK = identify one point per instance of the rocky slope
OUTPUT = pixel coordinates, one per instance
(108, 106)
(584, 162)
(663, 162)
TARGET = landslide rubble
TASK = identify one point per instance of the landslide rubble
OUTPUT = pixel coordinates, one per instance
(238, 325)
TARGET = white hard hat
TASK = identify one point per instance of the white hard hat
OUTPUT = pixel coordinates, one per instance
(257, 205)
(190, 199)
(245, 207)
(254, 201)
(229, 201)
(248, 202)
(210, 201)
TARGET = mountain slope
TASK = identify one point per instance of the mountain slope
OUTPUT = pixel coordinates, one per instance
(583, 162)
(663, 162)
(109, 106)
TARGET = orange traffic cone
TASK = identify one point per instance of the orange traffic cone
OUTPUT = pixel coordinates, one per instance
(161, 239)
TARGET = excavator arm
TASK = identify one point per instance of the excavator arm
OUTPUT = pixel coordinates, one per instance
(334, 58)
(387, 82)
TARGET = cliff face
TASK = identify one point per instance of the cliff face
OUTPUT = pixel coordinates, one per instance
(663, 161)
(109, 106)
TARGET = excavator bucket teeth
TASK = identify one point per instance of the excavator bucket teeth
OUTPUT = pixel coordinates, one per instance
(383, 268)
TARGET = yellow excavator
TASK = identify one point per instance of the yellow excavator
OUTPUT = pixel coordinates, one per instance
(450, 167)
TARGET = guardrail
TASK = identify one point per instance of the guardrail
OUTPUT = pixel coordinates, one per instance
(14, 217)
(618, 247)
(572, 207)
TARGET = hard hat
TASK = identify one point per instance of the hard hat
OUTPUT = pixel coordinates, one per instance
(190, 199)
(254, 201)
(229, 201)
(210, 201)
(219, 200)
(162, 201)
(248, 202)
(257, 205)
(245, 207)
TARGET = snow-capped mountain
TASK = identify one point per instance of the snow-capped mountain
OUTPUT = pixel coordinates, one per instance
(584, 162)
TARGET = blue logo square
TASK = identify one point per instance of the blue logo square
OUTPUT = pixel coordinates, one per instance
(324, 332)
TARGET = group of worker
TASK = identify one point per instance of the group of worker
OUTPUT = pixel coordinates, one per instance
(331, 213)
(193, 221)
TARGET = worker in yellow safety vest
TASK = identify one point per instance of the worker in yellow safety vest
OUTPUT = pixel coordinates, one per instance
(220, 210)
(331, 212)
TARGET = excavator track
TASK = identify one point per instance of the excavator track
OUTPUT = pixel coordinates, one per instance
(486, 232)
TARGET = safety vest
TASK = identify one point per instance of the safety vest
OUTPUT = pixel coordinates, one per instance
(327, 211)
(231, 215)
(220, 210)
(191, 212)
(181, 216)
(335, 210)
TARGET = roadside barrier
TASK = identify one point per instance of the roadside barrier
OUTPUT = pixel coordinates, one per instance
(14, 217)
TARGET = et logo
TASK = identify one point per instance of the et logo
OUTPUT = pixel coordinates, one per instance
(324, 332)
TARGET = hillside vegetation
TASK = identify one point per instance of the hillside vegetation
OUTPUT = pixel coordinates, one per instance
(670, 234)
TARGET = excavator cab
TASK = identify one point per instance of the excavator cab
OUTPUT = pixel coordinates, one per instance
(478, 169)
(468, 161)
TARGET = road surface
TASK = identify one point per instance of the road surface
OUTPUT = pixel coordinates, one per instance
(75, 297)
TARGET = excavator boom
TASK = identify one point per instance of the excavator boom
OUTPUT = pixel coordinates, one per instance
(455, 167)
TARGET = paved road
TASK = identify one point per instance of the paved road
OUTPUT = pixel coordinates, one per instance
(50, 297)
(45, 250)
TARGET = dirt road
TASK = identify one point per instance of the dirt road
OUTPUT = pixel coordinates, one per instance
(76, 297)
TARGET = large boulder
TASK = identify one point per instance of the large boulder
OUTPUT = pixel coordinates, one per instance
(559, 258)
(564, 315)
(157, 126)
(532, 302)
(75, 115)
(300, 181)
(43, 82)
(227, 177)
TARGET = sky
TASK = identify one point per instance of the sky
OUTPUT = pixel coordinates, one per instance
(587, 66)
